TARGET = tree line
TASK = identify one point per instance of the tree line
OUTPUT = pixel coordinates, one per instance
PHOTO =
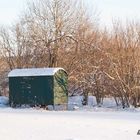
(58, 33)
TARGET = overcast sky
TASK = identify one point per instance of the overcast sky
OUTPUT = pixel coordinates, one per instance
(109, 9)
(118, 9)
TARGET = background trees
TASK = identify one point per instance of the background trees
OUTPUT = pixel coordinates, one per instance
(58, 33)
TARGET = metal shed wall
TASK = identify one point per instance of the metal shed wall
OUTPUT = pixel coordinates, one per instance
(31, 90)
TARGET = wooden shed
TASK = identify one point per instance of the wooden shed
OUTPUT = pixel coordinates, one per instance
(38, 87)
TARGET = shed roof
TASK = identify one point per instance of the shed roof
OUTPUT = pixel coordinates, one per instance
(33, 72)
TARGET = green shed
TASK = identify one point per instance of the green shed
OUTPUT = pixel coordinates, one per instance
(38, 87)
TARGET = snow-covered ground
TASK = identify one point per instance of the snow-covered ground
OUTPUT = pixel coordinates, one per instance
(90, 123)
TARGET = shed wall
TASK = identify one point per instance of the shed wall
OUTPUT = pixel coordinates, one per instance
(60, 87)
(31, 90)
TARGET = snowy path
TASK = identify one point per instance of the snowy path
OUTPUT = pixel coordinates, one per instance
(28, 124)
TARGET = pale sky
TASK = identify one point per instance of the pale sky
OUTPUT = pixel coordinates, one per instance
(118, 10)
(108, 9)
(10, 10)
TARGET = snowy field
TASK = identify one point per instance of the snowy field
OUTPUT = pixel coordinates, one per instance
(89, 123)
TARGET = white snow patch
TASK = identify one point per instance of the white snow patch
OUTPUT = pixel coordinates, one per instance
(33, 72)
(4, 101)
(75, 103)
(86, 123)
(30, 124)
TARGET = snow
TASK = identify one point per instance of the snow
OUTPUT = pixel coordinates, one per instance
(89, 123)
(31, 124)
(4, 101)
(108, 104)
(33, 72)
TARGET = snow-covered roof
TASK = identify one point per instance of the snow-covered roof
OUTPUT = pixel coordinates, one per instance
(33, 72)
